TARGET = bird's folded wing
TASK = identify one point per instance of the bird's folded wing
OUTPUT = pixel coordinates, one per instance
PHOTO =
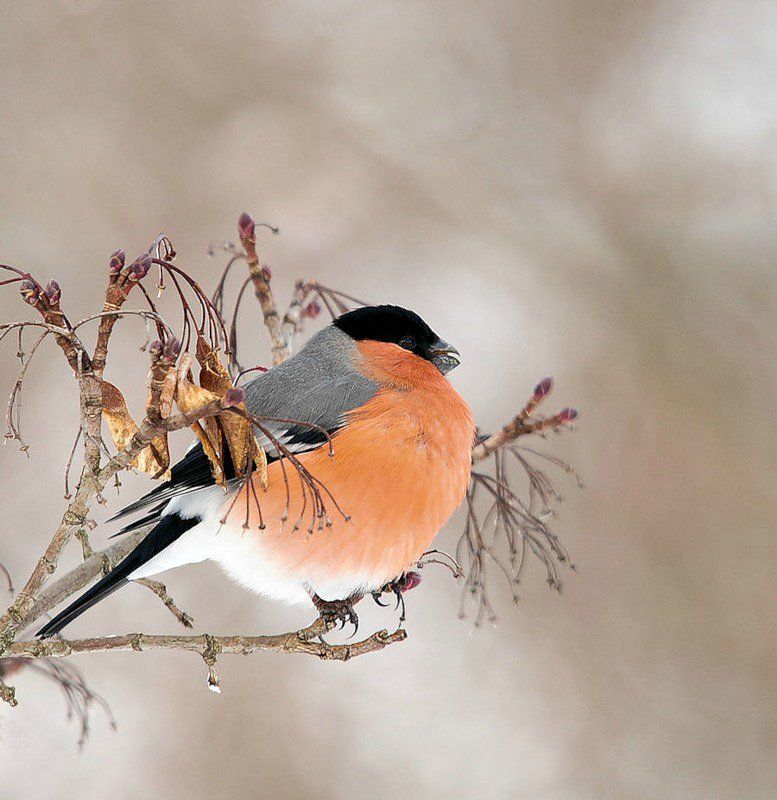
(299, 415)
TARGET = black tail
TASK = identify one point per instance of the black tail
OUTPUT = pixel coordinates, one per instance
(169, 528)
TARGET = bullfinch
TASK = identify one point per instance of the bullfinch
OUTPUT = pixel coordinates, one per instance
(392, 445)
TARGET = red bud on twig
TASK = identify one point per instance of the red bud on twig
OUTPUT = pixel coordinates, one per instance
(116, 262)
(246, 226)
(266, 273)
(171, 350)
(155, 349)
(53, 293)
(542, 389)
(29, 291)
(567, 415)
(140, 267)
(312, 309)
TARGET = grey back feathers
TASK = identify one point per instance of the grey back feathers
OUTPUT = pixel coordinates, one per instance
(319, 384)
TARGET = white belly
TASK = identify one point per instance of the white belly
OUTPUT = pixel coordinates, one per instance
(240, 555)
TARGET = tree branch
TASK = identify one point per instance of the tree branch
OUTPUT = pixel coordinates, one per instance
(160, 590)
(89, 486)
(261, 279)
(522, 425)
(303, 641)
(75, 580)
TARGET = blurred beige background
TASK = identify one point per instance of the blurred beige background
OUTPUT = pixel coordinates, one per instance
(582, 189)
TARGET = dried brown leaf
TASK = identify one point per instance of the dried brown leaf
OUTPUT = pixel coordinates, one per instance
(213, 374)
(154, 459)
(238, 431)
(260, 462)
(117, 416)
(190, 397)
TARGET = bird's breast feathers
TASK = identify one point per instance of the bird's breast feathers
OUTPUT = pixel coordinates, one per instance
(400, 468)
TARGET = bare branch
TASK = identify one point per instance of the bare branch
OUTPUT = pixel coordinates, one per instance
(89, 486)
(79, 577)
(160, 590)
(508, 523)
(13, 425)
(261, 279)
(294, 316)
(521, 425)
(305, 641)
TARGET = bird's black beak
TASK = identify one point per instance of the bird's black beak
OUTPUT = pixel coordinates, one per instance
(444, 356)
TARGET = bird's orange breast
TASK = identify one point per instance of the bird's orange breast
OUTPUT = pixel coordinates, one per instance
(400, 468)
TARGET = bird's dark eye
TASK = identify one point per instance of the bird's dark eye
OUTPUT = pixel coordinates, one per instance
(408, 342)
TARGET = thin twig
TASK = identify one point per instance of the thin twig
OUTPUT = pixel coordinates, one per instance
(160, 590)
(261, 281)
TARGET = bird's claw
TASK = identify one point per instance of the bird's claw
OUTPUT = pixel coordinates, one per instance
(337, 612)
(376, 597)
(397, 587)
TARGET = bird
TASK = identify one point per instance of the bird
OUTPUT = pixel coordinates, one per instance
(364, 407)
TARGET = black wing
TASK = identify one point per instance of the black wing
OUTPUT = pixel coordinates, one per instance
(193, 471)
(315, 388)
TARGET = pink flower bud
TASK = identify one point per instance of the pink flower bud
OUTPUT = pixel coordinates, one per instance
(410, 581)
(567, 414)
(155, 349)
(245, 226)
(312, 309)
(266, 273)
(234, 397)
(53, 292)
(140, 267)
(542, 389)
(116, 262)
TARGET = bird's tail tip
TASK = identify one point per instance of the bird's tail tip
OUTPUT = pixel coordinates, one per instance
(109, 584)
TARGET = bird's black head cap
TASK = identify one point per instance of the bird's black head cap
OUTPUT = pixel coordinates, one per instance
(401, 327)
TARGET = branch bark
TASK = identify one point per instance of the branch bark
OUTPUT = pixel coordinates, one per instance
(305, 641)
(75, 580)
(281, 349)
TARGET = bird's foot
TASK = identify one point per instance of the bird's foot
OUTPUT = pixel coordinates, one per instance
(397, 587)
(338, 612)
